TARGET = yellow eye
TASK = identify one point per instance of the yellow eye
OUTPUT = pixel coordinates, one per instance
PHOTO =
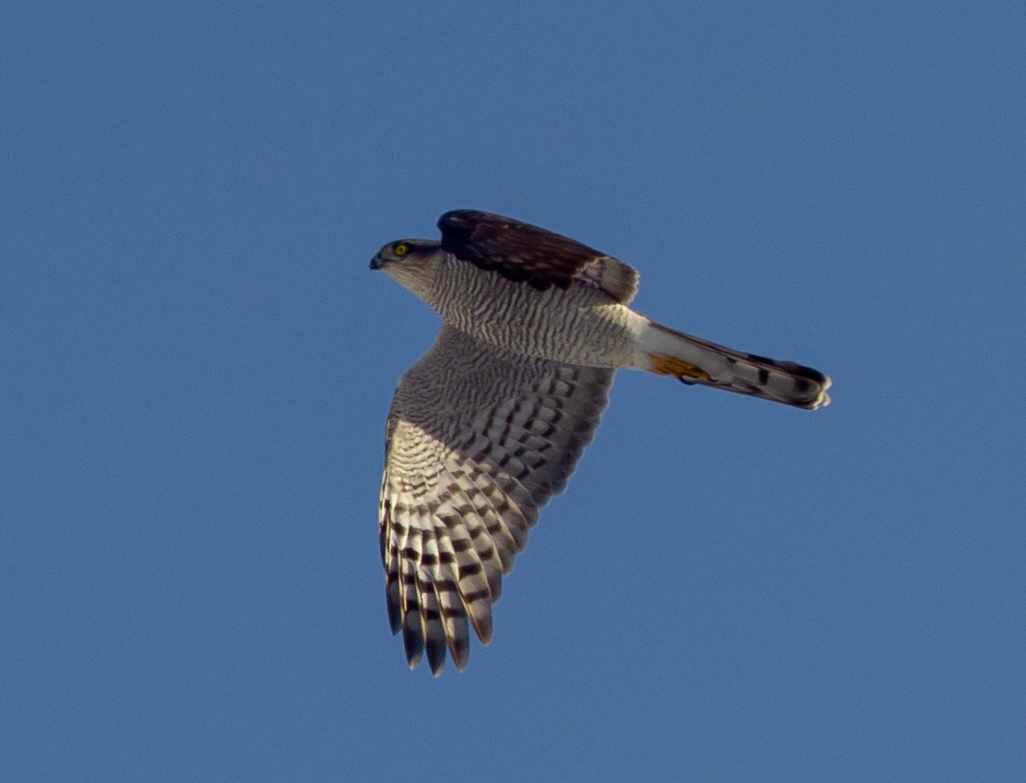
(401, 249)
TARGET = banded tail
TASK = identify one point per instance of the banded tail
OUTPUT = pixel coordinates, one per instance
(694, 360)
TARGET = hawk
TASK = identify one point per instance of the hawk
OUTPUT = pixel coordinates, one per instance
(492, 420)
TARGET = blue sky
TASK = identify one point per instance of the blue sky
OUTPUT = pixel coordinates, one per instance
(197, 365)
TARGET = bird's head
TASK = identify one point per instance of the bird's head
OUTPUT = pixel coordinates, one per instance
(410, 262)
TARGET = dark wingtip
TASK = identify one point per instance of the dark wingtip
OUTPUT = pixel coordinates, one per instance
(454, 222)
(395, 615)
(413, 644)
(447, 217)
(436, 650)
(457, 227)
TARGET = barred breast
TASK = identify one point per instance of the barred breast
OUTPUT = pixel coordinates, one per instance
(580, 325)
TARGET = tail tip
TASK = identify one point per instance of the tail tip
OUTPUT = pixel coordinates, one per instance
(822, 399)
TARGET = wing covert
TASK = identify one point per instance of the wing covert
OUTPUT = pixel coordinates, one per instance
(529, 254)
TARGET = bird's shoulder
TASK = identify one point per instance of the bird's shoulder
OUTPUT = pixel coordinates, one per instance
(528, 254)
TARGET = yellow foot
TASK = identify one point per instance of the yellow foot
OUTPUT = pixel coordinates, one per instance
(667, 365)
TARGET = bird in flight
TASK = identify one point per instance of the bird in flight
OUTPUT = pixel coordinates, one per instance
(491, 421)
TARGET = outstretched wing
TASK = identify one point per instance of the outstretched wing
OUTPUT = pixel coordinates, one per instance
(528, 254)
(477, 442)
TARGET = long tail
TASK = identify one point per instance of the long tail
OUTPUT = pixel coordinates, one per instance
(694, 360)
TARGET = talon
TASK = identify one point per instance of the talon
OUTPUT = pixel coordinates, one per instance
(667, 365)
